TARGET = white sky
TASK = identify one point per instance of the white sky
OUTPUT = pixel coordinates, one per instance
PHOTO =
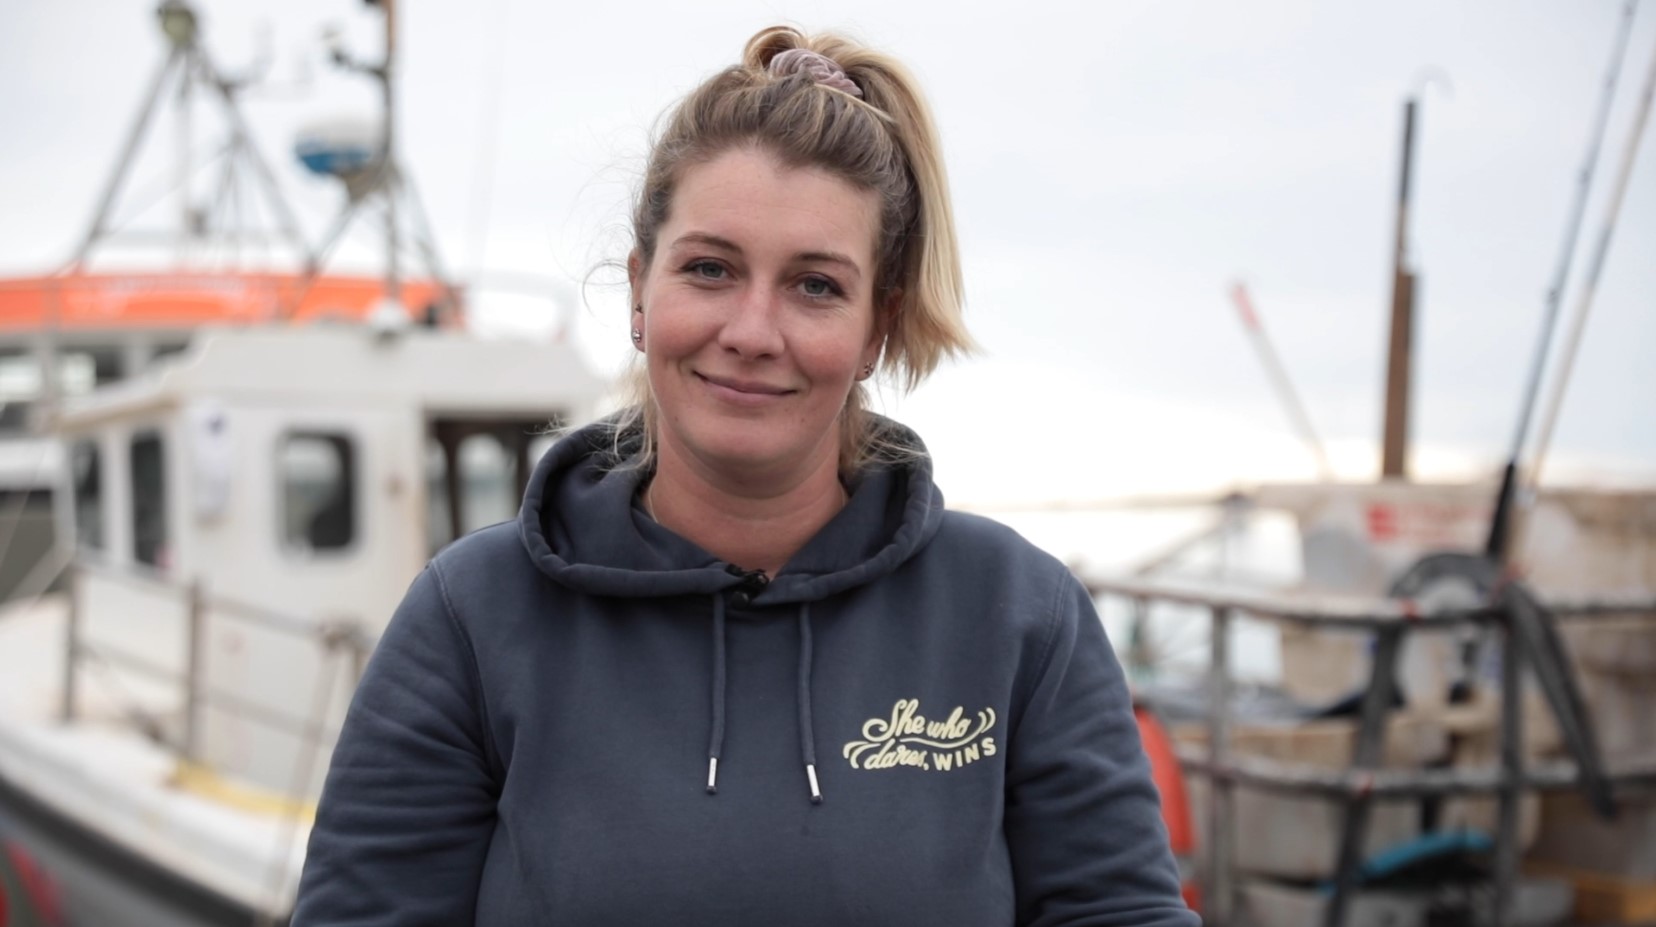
(1115, 166)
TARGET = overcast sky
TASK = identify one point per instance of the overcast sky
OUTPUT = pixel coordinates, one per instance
(1115, 167)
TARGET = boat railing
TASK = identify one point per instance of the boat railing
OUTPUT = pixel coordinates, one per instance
(1363, 781)
(198, 609)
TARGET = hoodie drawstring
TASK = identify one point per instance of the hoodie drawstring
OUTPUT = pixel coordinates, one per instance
(807, 741)
(715, 744)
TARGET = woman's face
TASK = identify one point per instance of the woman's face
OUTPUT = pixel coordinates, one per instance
(758, 314)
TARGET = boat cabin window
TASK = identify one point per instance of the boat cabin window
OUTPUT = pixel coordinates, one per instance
(82, 370)
(20, 388)
(486, 483)
(476, 471)
(149, 500)
(164, 351)
(23, 383)
(439, 529)
(88, 481)
(484, 479)
(318, 491)
(538, 446)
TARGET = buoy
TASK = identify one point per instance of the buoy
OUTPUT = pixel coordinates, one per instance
(1175, 804)
(37, 889)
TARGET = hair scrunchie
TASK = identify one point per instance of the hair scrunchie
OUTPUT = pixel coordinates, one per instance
(821, 68)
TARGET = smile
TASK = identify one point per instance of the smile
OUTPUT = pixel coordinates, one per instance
(743, 392)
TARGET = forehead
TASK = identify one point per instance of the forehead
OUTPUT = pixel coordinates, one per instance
(751, 198)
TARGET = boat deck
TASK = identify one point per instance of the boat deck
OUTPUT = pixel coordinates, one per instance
(106, 777)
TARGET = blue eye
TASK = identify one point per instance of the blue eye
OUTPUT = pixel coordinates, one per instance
(819, 287)
(707, 270)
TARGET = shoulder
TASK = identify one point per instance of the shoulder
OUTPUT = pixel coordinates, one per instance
(483, 546)
(482, 565)
(994, 567)
(977, 539)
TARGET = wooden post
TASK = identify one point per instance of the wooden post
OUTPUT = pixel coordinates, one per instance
(1395, 448)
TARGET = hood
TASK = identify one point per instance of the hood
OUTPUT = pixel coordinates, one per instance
(581, 527)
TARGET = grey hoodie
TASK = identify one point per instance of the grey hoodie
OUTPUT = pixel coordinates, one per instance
(583, 718)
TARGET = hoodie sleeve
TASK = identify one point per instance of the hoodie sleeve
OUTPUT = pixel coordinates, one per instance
(1083, 819)
(408, 809)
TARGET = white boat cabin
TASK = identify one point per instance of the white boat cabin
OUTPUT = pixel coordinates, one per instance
(250, 512)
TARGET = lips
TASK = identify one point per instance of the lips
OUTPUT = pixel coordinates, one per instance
(752, 389)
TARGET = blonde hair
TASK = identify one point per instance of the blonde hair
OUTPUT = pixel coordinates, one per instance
(883, 141)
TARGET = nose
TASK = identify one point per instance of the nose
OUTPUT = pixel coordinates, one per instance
(753, 328)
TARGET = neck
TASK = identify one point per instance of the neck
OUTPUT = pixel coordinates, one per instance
(756, 525)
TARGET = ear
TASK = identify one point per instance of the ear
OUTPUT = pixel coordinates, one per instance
(885, 321)
(635, 277)
(635, 303)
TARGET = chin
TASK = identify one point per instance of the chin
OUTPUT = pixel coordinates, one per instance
(757, 447)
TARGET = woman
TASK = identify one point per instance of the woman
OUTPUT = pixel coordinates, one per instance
(734, 663)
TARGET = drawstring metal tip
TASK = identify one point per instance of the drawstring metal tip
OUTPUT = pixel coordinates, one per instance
(816, 793)
(712, 775)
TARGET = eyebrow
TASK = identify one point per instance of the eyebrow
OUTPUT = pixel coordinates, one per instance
(705, 238)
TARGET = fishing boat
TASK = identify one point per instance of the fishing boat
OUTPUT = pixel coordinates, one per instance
(1464, 728)
(245, 469)
(222, 248)
(245, 532)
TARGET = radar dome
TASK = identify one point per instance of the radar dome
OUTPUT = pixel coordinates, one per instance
(338, 147)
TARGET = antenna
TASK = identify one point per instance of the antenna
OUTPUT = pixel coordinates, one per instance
(190, 67)
(374, 176)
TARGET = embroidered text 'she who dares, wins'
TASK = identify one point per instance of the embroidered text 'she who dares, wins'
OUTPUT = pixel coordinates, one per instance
(908, 738)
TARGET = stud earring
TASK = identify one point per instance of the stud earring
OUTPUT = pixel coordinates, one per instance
(868, 370)
(638, 336)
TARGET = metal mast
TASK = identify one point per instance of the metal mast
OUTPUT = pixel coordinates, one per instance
(189, 64)
(383, 182)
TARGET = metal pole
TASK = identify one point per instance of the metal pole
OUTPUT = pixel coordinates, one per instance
(193, 663)
(1367, 755)
(71, 644)
(187, 218)
(107, 201)
(1548, 656)
(1584, 183)
(1512, 769)
(1279, 379)
(1140, 666)
(426, 242)
(1217, 893)
(314, 262)
(242, 141)
(1584, 302)
(389, 186)
(1500, 527)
